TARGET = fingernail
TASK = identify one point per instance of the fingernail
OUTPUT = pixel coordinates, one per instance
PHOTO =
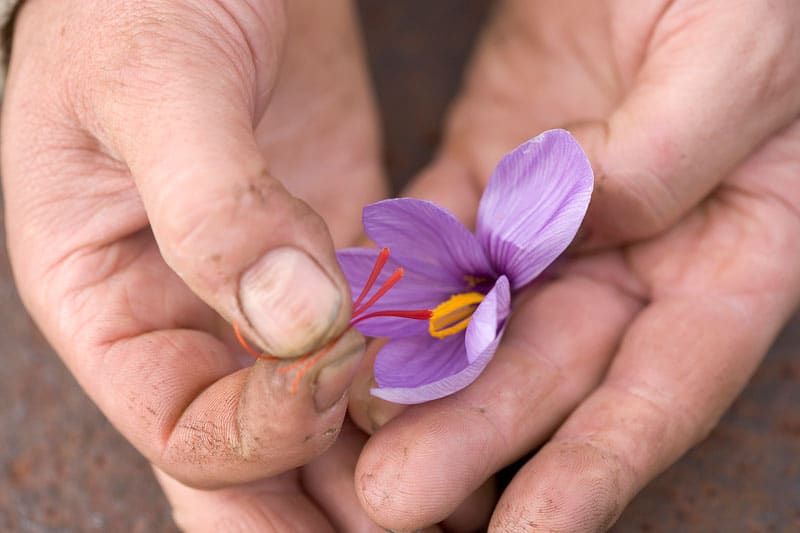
(289, 301)
(335, 377)
(381, 412)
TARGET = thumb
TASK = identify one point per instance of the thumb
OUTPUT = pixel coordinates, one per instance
(183, 122)
(695, 111)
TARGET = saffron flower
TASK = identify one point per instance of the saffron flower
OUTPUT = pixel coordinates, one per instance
(446, 316)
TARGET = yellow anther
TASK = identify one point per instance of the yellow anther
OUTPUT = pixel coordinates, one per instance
(453, 315)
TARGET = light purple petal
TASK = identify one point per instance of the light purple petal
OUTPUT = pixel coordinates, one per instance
(533, 205)
(414, 361)
(412, 292)
(488, 319)
(417, 369)
(427, 239)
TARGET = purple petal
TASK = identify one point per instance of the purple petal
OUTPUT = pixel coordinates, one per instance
(415, 361)
(488, 320)
(419, 369)
(427, 239)
(412, 292)
(533, 205)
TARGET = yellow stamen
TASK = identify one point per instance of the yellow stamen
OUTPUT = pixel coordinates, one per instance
(453, 315)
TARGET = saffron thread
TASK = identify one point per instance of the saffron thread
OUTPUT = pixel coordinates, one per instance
(422, 314)
(380, 262)
(247, 347)
(311, 363)
(305, 362)
(393, 279)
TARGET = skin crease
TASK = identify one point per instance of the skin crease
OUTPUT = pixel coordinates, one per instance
(686, 269)
(89, 116)
(724, 262)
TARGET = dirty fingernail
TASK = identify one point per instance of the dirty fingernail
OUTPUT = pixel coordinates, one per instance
(289, 301)
(341, 364)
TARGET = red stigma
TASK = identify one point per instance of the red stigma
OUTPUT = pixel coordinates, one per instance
(380, 262)
(394, 278)
(305, 362)
(422, 314)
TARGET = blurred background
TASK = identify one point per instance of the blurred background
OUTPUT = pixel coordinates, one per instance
(64, 468)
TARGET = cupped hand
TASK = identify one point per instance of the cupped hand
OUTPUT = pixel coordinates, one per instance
(686, 270)
(167, 166)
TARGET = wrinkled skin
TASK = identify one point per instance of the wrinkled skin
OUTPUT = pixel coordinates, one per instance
(152, 151)
(128, 268)
(687, 267)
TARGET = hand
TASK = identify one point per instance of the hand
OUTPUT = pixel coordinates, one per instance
(630, 356)
(142, 147)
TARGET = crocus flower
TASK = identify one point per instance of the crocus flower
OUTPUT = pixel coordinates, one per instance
(446, 316)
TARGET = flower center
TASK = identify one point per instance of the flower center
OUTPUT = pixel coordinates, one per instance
(453, 315)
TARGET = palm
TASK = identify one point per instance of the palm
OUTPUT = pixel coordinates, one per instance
(632, 352)
(154, 356)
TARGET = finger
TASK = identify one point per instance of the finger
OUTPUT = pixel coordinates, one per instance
(657, 402)
(175, 391)
(474, 512)
(370, 414)
(676, 135)
(329, 481)
(409, 474)
(185, 129)
(428, 486)
(366, 411)
(276, 504)
(181, 397)
(136, 339)
(641, 92)
(684, 359)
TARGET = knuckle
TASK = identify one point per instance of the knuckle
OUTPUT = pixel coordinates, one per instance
(644, 200)
(147, 52)
(192, 226)
(188, 232)
(143, 38)
(207, 238)
(666, 411)
(194, 245)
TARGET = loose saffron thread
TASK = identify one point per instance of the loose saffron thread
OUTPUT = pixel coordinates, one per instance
(311, 362)
(305, 362)
(247, 347)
